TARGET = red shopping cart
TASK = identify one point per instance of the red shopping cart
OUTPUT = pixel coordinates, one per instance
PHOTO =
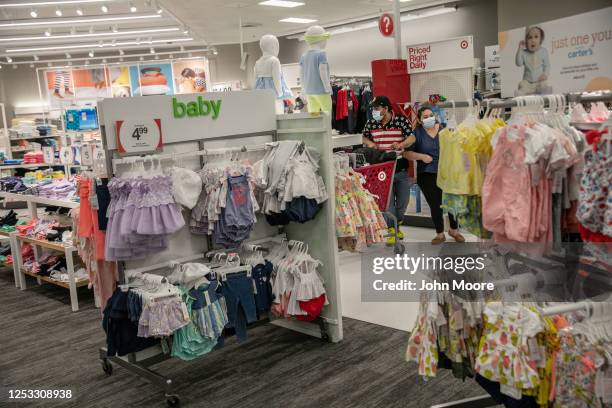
(379, 182)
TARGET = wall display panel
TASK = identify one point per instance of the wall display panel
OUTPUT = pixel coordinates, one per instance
(191, 76)
(152, 79)
(567, 55)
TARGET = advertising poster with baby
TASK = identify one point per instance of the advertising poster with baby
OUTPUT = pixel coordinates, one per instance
(572, 54)
(152, 79)
(191, 76)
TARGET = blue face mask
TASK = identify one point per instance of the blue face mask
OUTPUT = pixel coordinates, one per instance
(429, 122)
(377, 115)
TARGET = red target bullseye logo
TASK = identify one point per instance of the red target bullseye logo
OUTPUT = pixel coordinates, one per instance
(464, 44)
(382, 176)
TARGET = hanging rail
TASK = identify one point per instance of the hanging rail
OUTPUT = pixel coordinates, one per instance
(605, 96)
(195, 153)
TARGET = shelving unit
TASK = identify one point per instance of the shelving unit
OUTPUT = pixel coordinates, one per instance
(17, 240)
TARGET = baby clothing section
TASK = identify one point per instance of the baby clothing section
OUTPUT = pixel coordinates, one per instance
(289, 177)
(141, 215)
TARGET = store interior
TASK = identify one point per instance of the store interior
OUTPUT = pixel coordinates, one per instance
(193, 194)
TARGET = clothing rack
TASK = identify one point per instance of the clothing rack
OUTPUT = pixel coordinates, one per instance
(486, 401)
(258, 120)
(514, 102)
(169, 264)
(195, 153)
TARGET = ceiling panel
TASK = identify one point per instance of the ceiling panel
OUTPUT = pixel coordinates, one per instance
(218, 20)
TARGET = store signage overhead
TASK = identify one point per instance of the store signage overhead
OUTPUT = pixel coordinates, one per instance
(441, 55)
(567, 55)
(385, 25)
(138, 136)
(199, 107)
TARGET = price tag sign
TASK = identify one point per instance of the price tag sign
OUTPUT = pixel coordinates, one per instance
(138, 136)
(99, 161)
(87, 154)
(48, 154)
(66, 155)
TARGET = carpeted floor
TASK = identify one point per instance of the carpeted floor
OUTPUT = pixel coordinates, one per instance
(44, 344)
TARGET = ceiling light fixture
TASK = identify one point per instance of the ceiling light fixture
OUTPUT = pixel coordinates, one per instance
(152, 50)
(58, 12)
(104, 8)
(281, 3)
(33, 13)
(171, 56)
(298, 20)
(141, 58)
(71, 21)
(32, 65)
(133, 8)
(94, 34)
(36, 58)
(9, 59)
(121, 52)
(158, 8)
(185, 30)
(104, 60)
(68, 55)
(47, 3)
(79, 11)
(86, 62)
(114, 28)
(100, 43)
(91, 53)
(114, 43)
(48, 32)
(49, 64)
(369, 24)
(104, 45)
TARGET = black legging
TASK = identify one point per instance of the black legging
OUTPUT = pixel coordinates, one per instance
(433, 195)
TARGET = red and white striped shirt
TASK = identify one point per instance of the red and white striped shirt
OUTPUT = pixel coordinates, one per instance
(394, 131)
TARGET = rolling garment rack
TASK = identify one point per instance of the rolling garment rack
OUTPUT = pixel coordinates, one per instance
(184, 140)
(486, 401)
(494, 103)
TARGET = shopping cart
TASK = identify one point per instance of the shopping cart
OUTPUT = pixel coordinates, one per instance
(379, 182)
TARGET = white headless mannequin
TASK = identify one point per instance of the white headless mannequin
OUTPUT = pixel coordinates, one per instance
(269, 66)
(323, 69)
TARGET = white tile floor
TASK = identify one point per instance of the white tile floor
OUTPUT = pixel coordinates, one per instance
(397, 315)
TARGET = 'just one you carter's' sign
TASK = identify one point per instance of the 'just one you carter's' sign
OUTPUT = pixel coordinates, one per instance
(199, 107)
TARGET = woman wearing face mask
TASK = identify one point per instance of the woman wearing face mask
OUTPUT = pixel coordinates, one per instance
(426, 151)
(387, 131)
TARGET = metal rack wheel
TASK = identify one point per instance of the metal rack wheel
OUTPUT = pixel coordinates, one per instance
(173, 400)
(107, 367)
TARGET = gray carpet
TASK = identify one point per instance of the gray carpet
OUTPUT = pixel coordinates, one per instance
(44, 344)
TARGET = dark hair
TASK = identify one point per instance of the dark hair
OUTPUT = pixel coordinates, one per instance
(381, 101)
(188, 73)
(423, 108)
(534, 28)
